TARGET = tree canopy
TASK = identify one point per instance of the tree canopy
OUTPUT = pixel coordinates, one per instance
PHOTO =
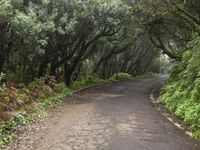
(70, 39)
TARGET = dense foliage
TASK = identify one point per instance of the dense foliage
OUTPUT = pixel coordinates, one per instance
(68, 39)
(182, 94)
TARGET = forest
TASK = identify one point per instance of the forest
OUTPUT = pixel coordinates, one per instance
(51, 47)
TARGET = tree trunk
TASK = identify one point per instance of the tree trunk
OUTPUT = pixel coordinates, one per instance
(53, 69)
(42, 69)
(67, 74)
(1, 64)
(77, 72)
(104, 73)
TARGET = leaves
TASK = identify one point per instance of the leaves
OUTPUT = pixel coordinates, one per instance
(181, 95)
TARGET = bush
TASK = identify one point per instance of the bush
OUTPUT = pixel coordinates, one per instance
(148, 74)
(93, 80)
(88, 81)
(78, 84)
(61, 88)
(121, 76)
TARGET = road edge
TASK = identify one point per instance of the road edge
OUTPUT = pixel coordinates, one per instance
(168, 116)
(96, 85)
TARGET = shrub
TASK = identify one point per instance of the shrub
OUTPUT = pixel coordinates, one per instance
(93, 79)
(121, 76)
(78, 84)
(61, 88)
(89, 80)
(148, 74)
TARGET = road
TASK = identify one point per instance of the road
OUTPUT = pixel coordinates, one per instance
(116, 117)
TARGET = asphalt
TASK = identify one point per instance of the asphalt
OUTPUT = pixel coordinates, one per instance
(118, 116)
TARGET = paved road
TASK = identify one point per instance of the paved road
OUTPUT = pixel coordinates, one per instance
(116, 117)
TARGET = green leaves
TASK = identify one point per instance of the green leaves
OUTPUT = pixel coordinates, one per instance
(58, 31)
(182, 94)
(121, 76)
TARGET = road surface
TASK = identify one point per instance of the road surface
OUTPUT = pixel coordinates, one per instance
(116, 117)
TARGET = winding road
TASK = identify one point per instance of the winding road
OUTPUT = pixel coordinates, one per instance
(118, 116)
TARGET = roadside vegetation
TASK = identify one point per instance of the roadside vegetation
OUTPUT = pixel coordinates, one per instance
(181, 95)
(25, 104)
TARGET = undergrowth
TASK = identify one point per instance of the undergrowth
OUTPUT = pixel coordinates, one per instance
(182, 93)
(24, 104)
(88, 81)
(93, 80)
(120, 76)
